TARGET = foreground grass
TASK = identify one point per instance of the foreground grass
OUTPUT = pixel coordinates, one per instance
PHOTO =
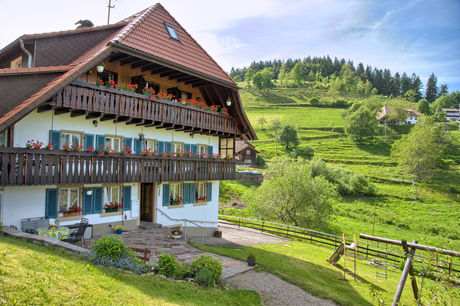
(305, 266)
(36, 274)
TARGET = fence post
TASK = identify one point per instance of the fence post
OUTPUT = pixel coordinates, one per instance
(239, 222)
(311, 237)
(287, 232)
(263, 226)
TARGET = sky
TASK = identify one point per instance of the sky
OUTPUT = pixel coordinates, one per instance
(409, 36)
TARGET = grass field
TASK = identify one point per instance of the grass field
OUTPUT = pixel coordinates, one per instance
(432, 217)
(305, 266)
(32, 274)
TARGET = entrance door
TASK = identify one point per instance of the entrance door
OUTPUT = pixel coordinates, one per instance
(147, 202)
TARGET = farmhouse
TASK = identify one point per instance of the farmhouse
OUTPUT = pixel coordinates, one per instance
(122, 123)
(452, 114)
(246, 153)
(391, 116)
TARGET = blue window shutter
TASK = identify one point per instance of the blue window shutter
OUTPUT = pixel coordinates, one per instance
(209, 192)
(165, 194)
(187, 147)
(100, 140)
(128, 142)
(194, 148)
(89, 141)
(168, 146)
(192, 193)
(209, 150)
(161, 146)
(186, 193)
(97, 200)
(126, 197)
(87, 202)
(51, 203)
(137, 146)
(55, 139)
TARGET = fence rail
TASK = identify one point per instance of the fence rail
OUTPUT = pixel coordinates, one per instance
(19, 167)
(80, 96)
(365, 248)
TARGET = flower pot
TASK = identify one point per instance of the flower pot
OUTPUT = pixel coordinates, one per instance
(100, 69)
(251, 261)
(119, 231)
(70, 214)
(218, 234)
(177, 236)
(114, 209)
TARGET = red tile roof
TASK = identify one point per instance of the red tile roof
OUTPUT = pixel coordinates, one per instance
(147, 33)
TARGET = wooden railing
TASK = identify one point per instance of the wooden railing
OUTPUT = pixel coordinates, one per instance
(20, 166)
(82, 96)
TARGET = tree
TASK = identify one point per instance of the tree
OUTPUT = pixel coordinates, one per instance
(291, 194)
(298, 73)
(405, 83)
(396, 85)
(419, 153)
(423, 106)
(276, 125)
(237, 78)
(249, 75)
(431, 89)
(261, 122)
(443, 90)
(416, 86)
(361, 125)
(289, 137)
(411, 95)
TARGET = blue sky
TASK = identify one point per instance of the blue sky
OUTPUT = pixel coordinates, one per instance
(412, 36)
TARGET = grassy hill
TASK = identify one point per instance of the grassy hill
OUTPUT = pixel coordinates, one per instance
(32, 274)
(432, 218)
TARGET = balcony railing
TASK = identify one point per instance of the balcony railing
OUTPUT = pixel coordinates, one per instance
(83, 98)
(19, 167)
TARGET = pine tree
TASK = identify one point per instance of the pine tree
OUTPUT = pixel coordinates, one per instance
(396, 85)
(416, 86)
(431, 88)
(387, 80)
(405, 84)
(443, 90)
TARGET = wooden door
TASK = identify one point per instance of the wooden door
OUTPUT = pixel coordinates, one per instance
(147, 201)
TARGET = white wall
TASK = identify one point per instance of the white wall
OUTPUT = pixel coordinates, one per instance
(36, 126)
(208, 212)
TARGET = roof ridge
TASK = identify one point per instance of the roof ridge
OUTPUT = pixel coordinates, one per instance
(133, 23)
(198, 44)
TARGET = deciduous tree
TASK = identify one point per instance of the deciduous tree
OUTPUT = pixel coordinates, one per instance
(361, 125)
(289, 137)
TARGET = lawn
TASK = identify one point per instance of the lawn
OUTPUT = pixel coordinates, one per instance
(305, 266)
(33, 274)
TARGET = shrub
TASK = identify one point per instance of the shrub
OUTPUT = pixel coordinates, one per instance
(184, 271)
(206, 269)
(167, 265)
(314, 101)
(109, 247)
(260, 161)
(305, 152)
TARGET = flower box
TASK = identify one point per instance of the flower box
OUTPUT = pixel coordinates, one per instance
(71, 214)
(113, 209)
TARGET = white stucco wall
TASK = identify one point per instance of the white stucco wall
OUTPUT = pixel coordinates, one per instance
(208, 212)
(37, 126)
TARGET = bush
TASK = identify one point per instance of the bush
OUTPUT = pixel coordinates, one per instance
(260, 161)
(314, 101)
(111, 251)
(305, 152)
(231, 211)
(206, 269)
(167, 265)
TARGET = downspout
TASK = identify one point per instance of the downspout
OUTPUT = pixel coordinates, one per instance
(29, 55)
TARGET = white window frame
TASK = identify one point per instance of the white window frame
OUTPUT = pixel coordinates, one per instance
(109, 139)
(200, 191)
(108, 192)
(65, 133)
(202, 149)
(16, 63)
(175, 189)
(177, 147)
(69, 204)
(150, 144)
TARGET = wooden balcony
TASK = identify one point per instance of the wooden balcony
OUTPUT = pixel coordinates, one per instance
(25, 167)
(92, 101)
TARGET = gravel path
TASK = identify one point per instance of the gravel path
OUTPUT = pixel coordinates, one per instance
(275, 291)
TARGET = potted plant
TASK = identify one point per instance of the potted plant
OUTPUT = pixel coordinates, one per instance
(112, 207)
(119, 229)
(176, 234)
(177, 201)
(100, 67)
(218, 233)
(73, 210)
(141, 136)
(251, 260)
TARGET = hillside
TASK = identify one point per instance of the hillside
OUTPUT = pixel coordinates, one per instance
(433, 218)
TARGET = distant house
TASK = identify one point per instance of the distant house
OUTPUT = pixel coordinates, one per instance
(452, 114)
(385, 114)
(247, 154)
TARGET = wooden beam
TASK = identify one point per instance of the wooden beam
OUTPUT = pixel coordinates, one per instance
(133, 121)
(167, 73)
(93, 115)
(187, 78)
(148, 67)
(402, 281)
(106, 117)
(177, 75)
(411, 270)
(138, 63)
(199, 84)
(61, 110)
(44, 107)
(76, 113)
(159, 69)
(128, 60)
(117, 57)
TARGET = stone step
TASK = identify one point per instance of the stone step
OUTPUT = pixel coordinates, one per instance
(149, 225)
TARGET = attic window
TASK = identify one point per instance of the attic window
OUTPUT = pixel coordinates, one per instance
(172, 31)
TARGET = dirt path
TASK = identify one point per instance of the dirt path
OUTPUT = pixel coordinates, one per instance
(274, 291)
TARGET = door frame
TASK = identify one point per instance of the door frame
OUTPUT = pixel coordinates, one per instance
(152, 217)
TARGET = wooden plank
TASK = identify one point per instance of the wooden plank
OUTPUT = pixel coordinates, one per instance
(404, 274)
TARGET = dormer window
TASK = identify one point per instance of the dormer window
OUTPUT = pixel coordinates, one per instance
(16, 63)
(172, 31)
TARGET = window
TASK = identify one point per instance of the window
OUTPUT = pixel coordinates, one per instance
(172, 31)
(112, 194)
(226, 146)
(154, 86)
(149, 144)
(4, 138)
(175, 194)
(107, 76)
(202, 149)
(114, 143)
(16, 63)
(69, 200)
(186, 95)
(177, 147)
(200, 192)
(248, 152)
(71, 138)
